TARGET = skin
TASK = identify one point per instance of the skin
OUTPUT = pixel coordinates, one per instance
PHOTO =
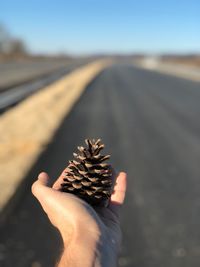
(91, 236)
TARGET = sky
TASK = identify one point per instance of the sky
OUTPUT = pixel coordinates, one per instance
(104, 26)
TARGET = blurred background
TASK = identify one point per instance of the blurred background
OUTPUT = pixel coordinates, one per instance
(127, 72)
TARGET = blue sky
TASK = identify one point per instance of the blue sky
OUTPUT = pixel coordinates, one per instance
(98, 26)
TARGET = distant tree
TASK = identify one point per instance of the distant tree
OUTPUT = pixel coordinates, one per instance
(17, 47)
(10, 45)
(4, 39)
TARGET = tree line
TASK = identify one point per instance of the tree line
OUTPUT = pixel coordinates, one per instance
(10, 45)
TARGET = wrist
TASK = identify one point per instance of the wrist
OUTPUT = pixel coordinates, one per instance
(81, 249)
(80, 231)
(90, 247)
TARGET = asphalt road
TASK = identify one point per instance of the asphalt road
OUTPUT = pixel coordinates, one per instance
(15, 94)
(150, 124)
(15, 73)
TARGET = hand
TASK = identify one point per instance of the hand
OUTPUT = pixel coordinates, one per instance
(91, 236)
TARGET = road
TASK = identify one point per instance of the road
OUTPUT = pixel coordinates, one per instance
(15, 73)
(150, 124)
(15, 94)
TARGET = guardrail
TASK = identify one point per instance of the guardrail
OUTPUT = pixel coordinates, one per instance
(14, 95)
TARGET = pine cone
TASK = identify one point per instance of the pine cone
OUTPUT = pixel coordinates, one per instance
(88, 176)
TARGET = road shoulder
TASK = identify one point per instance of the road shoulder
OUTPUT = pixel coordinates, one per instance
(178, 70)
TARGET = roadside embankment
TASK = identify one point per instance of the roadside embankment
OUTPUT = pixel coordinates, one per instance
(26, 129)
(180, 70)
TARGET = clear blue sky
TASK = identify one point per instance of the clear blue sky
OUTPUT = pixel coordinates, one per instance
(90, 26)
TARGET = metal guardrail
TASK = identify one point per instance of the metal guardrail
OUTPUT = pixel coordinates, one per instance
(14, 95)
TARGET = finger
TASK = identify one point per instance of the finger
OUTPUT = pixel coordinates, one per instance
(39, 185)
(118, 196)
(56, 203)
(59, 181)
(43, 178)
(119, 189)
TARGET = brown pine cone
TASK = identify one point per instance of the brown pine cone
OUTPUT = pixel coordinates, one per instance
(88, 176)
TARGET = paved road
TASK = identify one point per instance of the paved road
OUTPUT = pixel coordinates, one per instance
(150, 123)
(16, 73)
(15, 94)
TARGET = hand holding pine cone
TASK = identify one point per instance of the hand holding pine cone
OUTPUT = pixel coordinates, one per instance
(88, 176)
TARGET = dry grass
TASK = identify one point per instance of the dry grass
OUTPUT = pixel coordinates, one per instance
(187, 61)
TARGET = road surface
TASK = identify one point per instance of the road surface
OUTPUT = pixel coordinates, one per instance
(10, 97)
(15, 73)
(150, 123)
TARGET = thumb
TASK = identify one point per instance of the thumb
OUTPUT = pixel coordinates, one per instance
(117, 198)
(39, 185)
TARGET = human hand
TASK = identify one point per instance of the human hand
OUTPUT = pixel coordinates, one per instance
(91, 236)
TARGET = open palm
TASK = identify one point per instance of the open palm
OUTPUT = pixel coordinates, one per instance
(72, 215)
